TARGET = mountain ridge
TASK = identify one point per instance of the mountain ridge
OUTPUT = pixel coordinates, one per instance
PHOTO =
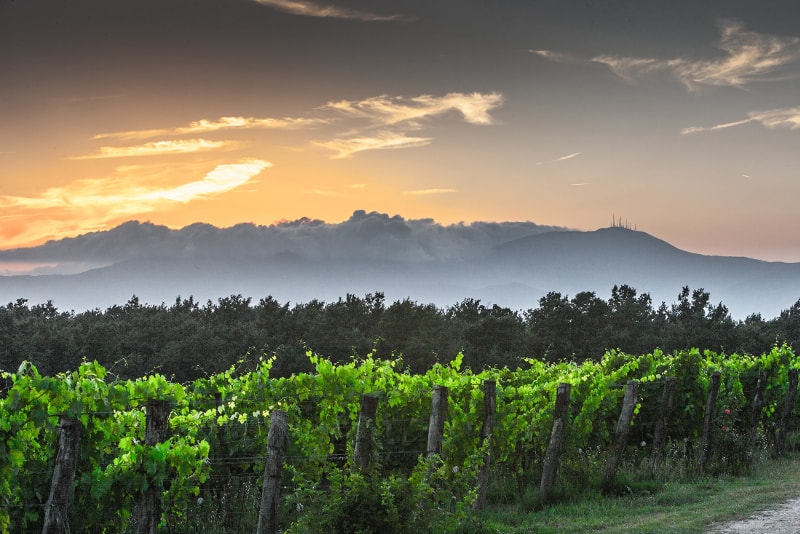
(509, 264)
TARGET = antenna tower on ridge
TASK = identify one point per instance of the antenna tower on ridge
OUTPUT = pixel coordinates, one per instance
(619, 223)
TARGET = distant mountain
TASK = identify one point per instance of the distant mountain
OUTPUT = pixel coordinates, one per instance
(510, 264)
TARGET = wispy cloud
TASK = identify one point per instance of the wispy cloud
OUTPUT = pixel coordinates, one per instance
(386, 122)
(391, 119)
(561, 158)
(222, 123)
(324, 193)
(381, 140)
(748, 57)
(86, 205)
(314, 9)
(568, 156)
(773, 118)
(179, 146)
(386, 110)
(430, 191)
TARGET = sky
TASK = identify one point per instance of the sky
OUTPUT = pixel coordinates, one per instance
(680, 118)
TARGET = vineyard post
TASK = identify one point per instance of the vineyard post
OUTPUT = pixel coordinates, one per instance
(223, 471)
(364, 436)
(56, 512)
(788, 406)
(659, 433)
(550, 464)
(147, 512)
(436, 423)
(277, 441)
(755, 417)
(621, 432)
(489, 404)
(711, 403)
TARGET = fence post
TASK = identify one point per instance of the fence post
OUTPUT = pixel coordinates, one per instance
(659, 433)
(621, 432)
(147, 512)
(788, 406)
(489, 405)
(755, 417)
(550, 464)
(223, 471)
(56, 512)
(277, 441)
(366, 416)
(436, 423)
(711, 404)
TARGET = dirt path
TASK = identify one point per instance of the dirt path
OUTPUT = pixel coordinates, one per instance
(785, 519)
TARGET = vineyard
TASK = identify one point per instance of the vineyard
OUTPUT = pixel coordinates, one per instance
(87, 452)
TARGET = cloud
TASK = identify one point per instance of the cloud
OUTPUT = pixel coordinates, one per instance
(390, 119)
(324, 193)
(386, 110)
(773, 118)
(222, 123)
(748, 57)
(562, 158)
(365, 235)
(90, 204)
(430, 191)
(313, 9)
(179, 146)
(383, 140)
(568, 156)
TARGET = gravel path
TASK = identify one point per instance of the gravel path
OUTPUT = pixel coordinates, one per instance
(784, 519)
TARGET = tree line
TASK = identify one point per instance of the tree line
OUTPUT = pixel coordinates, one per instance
(188, 340)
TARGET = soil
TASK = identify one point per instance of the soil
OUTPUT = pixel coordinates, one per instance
(784, 519)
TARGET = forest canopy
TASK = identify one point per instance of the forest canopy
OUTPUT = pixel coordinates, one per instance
(187, 339)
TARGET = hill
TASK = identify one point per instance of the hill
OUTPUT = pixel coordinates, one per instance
(510, 264)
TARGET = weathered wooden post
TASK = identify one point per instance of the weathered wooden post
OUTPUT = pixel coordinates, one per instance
(788, 406)
(621, 432)
(56, 512)
(223, 470)
(436, 422)
(755, 416)
(711, 404)
(659, 433)
(554, 446)
(364, 436)
(147, 512)
(277, 441)
(489, 405)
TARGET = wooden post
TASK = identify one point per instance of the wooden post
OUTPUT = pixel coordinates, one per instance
(554, 446)
(489, 405)
(222, 471)
(788, 406)
(56, 512)
(711, 404)
(621, 432)
(366, 417)
(277, 441)
(436, 423)
(147, 512)
(659, 433)
(755, 417)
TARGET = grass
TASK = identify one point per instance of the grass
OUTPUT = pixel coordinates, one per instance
(668, 507)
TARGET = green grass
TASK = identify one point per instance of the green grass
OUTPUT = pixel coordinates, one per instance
(673, 507)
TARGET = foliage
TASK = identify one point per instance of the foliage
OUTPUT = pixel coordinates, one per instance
(218, 429)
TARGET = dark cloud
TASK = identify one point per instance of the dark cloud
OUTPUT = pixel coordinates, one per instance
(365, 235)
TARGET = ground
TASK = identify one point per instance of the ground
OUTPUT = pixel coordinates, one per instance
(784, 519)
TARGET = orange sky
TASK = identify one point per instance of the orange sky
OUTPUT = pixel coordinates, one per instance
(262, 111)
